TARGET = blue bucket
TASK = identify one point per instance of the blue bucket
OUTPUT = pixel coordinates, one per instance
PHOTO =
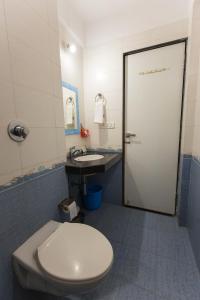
(93, 198)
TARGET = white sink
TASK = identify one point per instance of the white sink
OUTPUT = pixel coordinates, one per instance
(89, 157)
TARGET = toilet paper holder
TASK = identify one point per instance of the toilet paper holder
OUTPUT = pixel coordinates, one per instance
(69, 209)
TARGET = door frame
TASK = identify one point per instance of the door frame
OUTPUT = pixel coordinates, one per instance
(178, 41)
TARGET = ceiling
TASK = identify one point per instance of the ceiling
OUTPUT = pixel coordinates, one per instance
(91, 11)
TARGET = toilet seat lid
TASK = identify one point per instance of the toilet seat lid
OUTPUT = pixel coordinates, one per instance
(75, 252)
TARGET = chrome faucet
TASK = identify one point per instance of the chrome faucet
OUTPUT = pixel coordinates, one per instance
(75, 151)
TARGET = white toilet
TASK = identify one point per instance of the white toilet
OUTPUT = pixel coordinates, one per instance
(63, 259)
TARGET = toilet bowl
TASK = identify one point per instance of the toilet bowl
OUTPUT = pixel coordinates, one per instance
(63, 259)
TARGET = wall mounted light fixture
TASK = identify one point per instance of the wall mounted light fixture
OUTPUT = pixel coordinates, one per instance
(67, 46)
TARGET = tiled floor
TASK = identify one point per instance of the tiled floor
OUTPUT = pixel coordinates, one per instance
(153, 256)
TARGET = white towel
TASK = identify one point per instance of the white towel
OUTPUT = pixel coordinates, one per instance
(99, 112)
(70, 113)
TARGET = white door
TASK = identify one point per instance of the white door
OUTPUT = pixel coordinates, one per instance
(153, 102)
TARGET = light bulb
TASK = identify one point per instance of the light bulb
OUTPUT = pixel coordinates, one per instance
(72, 48)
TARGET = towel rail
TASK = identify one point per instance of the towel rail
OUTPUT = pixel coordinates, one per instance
(100, 97)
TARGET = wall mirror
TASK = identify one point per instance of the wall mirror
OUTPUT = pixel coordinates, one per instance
(71, 109)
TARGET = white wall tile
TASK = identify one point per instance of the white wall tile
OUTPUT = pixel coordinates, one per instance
(56, 82)
(30, 84)
(10, 153)
(60, 143)
(193, 86)
(189, 114)
(187, 140)
(7, 105)
(53, 46)
(39, 147)
(5, 179)
(40, 6)
(35, 108)
(25, 24)
(52, 12)
(30, 68)
(197, 114)
(196, 141)
(5, 71)
(59, 114)
(74, 140)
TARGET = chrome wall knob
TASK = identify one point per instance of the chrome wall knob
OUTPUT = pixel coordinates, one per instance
(17, 131)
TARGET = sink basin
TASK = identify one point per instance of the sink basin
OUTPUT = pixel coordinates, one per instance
(89, 157)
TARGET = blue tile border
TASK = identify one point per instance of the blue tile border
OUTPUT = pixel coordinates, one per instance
(24, 208)
(194, 208)
(23, 179)
(183, 189)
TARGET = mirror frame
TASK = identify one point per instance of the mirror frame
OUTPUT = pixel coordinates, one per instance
(75, 90)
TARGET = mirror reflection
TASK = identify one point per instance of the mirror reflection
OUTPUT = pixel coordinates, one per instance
(71, 109)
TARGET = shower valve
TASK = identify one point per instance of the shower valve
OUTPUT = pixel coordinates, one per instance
(17, 131)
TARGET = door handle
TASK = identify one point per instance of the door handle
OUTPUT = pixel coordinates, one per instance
(128, 135)
(127, 142)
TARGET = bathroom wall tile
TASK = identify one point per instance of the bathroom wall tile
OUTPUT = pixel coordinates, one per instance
(196, 142)
(30, 68)
(40, 168)
(52, 13)
(5, 179)
(5, 72)
(191, 92)
(2, 14)
(114, 99)
(7, 111)
(59, 113)
(29, 48)
(27, 103)
(155, 36)
(189, 113)
(60, 143)
(106, 138)
(193, 214)
(114, 115)
(105, 58)
(56, 80)
(10, 153)
(40, 6)
(197, 113)
(53, 46)
(196, 10)
(75, 140)
(187, 140)
(39, 147)
(98, 80)
(24, 209)
(25, 24)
